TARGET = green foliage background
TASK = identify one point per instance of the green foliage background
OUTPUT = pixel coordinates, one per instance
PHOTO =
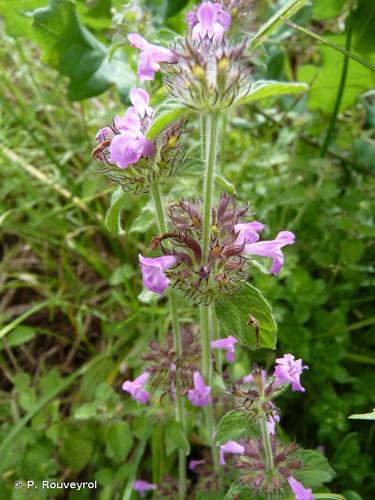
(72, 325)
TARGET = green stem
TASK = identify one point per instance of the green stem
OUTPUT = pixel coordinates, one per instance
(180, 410)
(209, 146)
(267, 448)
(224, 121)
(215, 336)
(340, 92)
(208, 187)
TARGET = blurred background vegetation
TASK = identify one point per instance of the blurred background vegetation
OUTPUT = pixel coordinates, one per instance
(72, 326)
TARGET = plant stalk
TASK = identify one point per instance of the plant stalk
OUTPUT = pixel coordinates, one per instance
(209, 147)
(177, 341)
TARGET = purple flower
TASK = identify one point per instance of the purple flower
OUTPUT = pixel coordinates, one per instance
(289, 371)
(194, 463)
(200, 395)
(151, 56)
(230, 447)
(142, 486)
(248, 232)
(135, 388)
(227, 344)
(272, 249)
(273, 419)
(210, 20)
(250, 378)
(126, 150)
(299, 491)
(103, 133)
(153, 277)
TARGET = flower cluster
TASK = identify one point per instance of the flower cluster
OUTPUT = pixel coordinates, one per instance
(232, 241)
(203, 70)
(129, 158)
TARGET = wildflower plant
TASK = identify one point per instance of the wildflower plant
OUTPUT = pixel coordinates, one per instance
(205, 250)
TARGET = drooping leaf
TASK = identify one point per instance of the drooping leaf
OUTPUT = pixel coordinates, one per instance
(315, 470)
(264, 88)
(119, 440)
(248, 316)
(113, 215)
(75, 52)
(234, 425)
(288, 10)
(363, 416)
(175, 438)
(168, 113)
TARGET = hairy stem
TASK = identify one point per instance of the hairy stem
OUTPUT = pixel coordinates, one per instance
(209, 147)
(180, 410)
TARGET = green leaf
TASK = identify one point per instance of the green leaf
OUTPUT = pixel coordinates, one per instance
(166, 114)
(174, 6)
(223, 183)
(76, 451)
(264, 88)
(288, 10)
(113, 215)
(20, 335)
(175, 438)
(119, 441)
(315, 470)
(248, 315)
(323, 10)
(16, 15)
(363, 416)
(74, 51)
(235, 425)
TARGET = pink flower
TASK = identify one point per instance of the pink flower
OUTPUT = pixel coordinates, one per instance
(271, 249)
(248, 232)
(299, 491)
(142, 486)
(230, 447)
(151, 56)
(194, 463)
(153, 277)
(227, 344)
(273, 419)
(135, 388)
(130, 144)
(289, 371)
(210, 20)
(200, 395)
(250, 378)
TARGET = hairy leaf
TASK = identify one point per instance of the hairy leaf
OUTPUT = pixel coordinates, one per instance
(75, 52)
(315, 470)
(113, 216)
(262, 89)
(165, 116)
(234, 425)
(248, 316)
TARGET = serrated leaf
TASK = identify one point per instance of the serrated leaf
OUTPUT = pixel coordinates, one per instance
(288, 10)
(75, 52)
(113, 215)
(167, 114)
(175, 438)
(363, 416)
(76, 451)
(264, 88)
(119, 440)
(235, 425)
(249, 317)
(315, 470)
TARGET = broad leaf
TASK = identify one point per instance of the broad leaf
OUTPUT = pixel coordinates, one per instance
(113, 216)
(363, 416)
(248, 316)
(165, 116)
(288, 10)
(74, 51)
(119, 441)
(315, 470)
(174, 6)
(175, 438)
(76, 451)
(16, 16)
(264, 88)
(234, 425)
